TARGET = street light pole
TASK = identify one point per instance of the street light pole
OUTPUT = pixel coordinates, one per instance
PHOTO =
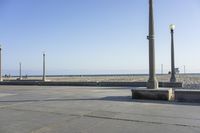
(0, 65)
(173, 78)
(44, 71)
(20, 71)
(152, 82)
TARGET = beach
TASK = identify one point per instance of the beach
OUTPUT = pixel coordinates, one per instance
(190, 81)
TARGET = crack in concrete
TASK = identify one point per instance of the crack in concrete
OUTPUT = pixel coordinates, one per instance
(106, 117)
(10, 105)
(161, 116)
(141, 121)
(17, 109)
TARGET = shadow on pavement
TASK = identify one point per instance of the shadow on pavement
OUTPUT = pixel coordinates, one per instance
(107, 98)
(129, 99)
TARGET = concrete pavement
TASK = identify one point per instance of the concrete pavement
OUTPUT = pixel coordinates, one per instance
(46, 109)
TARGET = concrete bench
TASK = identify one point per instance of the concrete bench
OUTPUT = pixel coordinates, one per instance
(187, 95)
(153, 94)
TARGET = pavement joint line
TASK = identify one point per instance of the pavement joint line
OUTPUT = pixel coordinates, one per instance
(30, 101)
(7, 106)
(160, 116)
(17, 109)
(49, 100)
(6, 94)
(140, 121)
(101, 117)
(40, 130)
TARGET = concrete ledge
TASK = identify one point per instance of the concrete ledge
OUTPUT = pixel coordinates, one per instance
(187, 96)
(171, 85)
(152, 94)
(123, 84)
(102, 84)
(68, 83)
(48, 83)
(64, 83)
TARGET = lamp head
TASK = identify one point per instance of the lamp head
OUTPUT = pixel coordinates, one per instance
(172, 26)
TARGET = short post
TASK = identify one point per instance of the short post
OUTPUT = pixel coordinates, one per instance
(173, 78)
(20, 71)
(184, 70)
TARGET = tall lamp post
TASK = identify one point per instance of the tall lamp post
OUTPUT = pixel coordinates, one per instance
(0, 66)
(152, 82)
(20, 71)
(173, 78)
(44, 71)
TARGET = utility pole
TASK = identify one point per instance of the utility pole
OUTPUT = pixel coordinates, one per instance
(0, 65)
(173, 77)
(20, 71)
(152, 82)
(44, 69)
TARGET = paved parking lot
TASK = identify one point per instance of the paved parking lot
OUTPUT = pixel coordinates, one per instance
(40, 109)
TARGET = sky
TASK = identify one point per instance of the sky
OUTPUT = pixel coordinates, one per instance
(96, 36)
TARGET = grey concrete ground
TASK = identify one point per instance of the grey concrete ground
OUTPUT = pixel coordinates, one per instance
(39, 109)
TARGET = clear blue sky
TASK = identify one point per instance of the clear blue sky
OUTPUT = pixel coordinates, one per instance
(96, 36)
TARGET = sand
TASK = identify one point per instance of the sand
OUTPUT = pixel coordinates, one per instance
(190, 81)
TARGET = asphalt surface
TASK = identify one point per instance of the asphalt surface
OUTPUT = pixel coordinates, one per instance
(40, 109)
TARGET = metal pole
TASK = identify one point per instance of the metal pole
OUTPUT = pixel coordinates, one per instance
(184, 69)
(0, 65)
(161, 68)
(152, 82)
(44, 71)
(173, 78)
(20, 71)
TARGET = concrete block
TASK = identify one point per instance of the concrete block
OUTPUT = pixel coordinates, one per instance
(153, 94)
(182, 95)
(171, 85)
(103, 84)
(122, 84)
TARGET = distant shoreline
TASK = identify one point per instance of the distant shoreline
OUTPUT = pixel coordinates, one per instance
(100, 75)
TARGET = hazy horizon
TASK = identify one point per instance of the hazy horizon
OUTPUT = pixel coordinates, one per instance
(86, 72)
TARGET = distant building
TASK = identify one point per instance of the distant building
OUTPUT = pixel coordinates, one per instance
(177, 71)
